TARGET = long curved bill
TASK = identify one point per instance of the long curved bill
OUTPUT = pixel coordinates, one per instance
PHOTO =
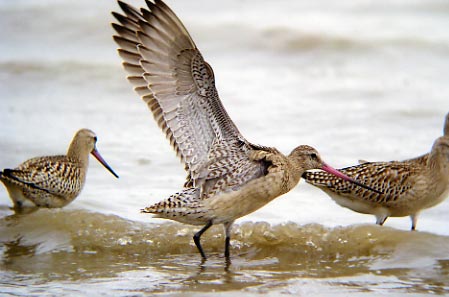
(337, 173)
(100, 159)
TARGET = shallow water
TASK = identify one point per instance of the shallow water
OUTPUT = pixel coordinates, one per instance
(57, 251)
(355, 79)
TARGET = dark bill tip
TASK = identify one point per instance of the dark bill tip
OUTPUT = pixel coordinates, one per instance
(100, 159)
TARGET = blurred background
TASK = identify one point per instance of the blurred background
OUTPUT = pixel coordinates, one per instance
(355, 79)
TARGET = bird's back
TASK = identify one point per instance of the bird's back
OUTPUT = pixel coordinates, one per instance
(402, 184)
(51, 181)
(178, 85)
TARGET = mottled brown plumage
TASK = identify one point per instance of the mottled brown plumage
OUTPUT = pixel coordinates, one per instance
(228, 177)
(408, 186)
(53, 181)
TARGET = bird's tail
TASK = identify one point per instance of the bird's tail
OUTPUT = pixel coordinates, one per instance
(186, 200)
(4, 173)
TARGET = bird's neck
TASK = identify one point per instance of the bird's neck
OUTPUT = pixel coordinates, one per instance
(438, 166)
(77, 152)
(293, 174)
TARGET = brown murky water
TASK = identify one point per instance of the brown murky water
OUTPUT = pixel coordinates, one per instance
(80, 252)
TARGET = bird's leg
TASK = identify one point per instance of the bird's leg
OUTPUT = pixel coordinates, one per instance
(197, 237)
(228, 227)
(414, 218)
(380, 220)
(17, 206)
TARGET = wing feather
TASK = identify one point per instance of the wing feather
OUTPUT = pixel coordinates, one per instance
(169, 72)
(48, 174)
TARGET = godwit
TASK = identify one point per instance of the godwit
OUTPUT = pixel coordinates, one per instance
(53, 181)
(408, 186)
(228, 177)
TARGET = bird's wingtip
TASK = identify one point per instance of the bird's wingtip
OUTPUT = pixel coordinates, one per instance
(6, 172)
(144, 210)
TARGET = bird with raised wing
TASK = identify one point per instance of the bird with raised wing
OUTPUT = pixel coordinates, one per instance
(53, 181)
(228, 177)
(408, 186)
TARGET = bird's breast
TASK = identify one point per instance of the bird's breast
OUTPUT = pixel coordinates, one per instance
(255, 194)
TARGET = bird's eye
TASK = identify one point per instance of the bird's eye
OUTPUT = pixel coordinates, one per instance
(95, 138)
(314, 156)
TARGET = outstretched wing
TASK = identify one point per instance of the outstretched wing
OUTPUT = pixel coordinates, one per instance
(393, 179)
(170, 74)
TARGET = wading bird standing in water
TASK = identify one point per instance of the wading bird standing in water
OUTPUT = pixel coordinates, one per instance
(408, 186)
(53, 181)
(228, 177)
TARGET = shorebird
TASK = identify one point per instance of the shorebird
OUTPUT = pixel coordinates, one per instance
(408, 186)
(53, 181)
(228, 177)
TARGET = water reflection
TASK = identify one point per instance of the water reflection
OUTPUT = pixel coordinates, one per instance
(13, 250)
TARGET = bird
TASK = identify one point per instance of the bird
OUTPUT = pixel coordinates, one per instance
(408, 186)
(53, 181)
(227, 176)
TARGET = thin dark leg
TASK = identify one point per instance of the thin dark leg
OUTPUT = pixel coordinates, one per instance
(228, 239)
(414, 218)
(227, 264)
(197, 236)
(227, 246)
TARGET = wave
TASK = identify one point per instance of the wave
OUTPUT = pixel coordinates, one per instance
(86, 252)
(79, 231)
(297, 39)
(73, 75)
(57, 68)
(292, 40)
